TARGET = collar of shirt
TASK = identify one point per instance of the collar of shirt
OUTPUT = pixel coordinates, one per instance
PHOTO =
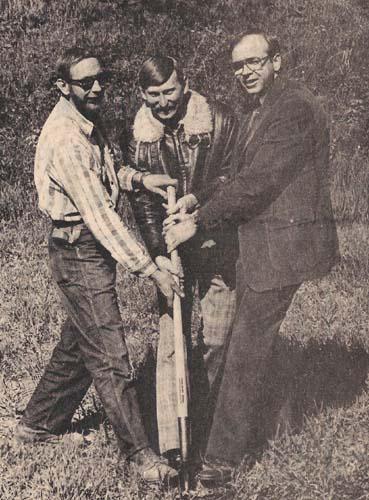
(65, 108)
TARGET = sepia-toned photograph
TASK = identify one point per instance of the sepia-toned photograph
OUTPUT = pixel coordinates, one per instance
(184, 234)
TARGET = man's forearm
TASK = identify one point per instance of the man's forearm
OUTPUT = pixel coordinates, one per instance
(97, 211)
(129, 178)
(275, 165)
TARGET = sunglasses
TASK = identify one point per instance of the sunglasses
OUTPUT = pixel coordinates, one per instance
(103, 78)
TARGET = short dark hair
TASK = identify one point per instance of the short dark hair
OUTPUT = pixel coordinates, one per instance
(71, 56)
(273, 43)
(156, 70)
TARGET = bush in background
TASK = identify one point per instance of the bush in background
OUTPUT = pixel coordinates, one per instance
(324, 43)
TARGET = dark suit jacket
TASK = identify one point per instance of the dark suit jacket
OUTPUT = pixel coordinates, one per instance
(279, 195)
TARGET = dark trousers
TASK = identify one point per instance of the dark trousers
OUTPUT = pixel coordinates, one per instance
(257, 322)
(92, 346)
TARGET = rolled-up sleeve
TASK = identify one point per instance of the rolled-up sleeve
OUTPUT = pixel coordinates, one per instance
(76, 169)
(125, 175)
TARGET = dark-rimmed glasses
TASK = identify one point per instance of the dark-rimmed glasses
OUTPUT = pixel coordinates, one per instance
(253, 63)
(87, 83)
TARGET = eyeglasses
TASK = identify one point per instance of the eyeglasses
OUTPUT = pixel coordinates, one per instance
(253, 63)
(87, 83)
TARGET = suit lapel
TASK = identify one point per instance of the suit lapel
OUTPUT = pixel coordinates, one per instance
(260, 122)
(251, 134)
(250, 137)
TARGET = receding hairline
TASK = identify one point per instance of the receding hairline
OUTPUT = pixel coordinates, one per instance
(96, 58)
(73, 56)
(272, 43)
(251, 35)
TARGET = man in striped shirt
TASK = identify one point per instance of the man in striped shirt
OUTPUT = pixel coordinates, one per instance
(78, 189)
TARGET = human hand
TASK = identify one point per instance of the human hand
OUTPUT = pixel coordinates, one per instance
(175, 219)
(186, 204)
(179, 233)
(165, 264)
(155, 183)
(167, 285)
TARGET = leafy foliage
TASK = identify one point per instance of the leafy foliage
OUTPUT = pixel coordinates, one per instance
(324, 340)
(33, 32)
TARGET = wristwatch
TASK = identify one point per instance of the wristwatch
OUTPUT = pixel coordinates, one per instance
(137, 180)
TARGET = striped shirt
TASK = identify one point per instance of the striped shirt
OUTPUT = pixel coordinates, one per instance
(77, 183)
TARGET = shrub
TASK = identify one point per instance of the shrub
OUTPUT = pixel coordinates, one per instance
(33, 31)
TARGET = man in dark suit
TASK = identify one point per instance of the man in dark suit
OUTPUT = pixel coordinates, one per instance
(279, 199)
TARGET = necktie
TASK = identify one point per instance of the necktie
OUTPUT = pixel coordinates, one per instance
(251, 126)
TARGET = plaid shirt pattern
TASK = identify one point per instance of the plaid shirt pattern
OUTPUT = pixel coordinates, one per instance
(76, 182)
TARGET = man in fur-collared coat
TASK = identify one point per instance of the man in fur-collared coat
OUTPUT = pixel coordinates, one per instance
(181, 133)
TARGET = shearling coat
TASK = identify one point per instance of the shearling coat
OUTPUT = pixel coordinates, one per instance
(208, 132)
(279, 195)
(198, 153)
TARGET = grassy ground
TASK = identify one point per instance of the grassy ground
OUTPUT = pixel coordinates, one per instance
(322, 372)
(321, 366)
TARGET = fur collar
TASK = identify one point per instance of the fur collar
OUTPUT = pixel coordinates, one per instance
(197, 120)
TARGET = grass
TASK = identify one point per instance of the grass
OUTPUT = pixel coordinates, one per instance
(324, 341)
(320, 450)
(32, 33)
(328, 460)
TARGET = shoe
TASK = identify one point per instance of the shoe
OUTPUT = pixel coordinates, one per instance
(152, 468)
(172, 458)
(26, 435)
(215, 473)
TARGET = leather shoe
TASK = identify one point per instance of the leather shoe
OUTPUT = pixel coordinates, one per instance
(152, 468)
(26, 435)
(215, 472)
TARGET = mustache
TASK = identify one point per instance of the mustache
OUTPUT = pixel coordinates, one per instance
(168, 107)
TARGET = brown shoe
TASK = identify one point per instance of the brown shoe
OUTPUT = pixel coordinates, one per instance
(152, 468)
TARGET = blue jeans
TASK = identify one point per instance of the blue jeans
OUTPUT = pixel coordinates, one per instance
(92, 346)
